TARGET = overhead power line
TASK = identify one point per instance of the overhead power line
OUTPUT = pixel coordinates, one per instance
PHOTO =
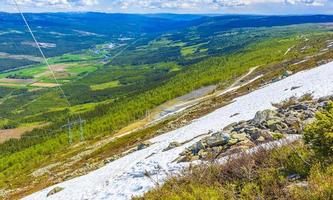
(41, 51)
(69, 125)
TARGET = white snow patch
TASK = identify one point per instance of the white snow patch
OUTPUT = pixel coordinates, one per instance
(124, 178)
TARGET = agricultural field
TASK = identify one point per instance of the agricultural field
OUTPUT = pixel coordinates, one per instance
(103, 86)
(64, 68)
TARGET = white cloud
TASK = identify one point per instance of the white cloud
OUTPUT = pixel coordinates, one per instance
(57, 3)
(199, 4)
(166, 5)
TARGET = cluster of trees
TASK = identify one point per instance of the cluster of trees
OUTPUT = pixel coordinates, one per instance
(9, 64)
(319, 135)
(4, 91)
(24, 97)
(132, 80)
(7, 124)
(205, 42)
(18, 76)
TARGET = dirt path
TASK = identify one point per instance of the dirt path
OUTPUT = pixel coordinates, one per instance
(288, 50)
(238, 81)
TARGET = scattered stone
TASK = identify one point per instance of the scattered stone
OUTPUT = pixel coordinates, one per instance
(276, 79)
(290, 117)
(287, 73)
(229, 127)
(203, 154)
(172, 145)
(293, 177)
(300, 107)
(54, 191)
(292, 121)
(197, 147)
(144, 145)
(261, 139)
(246, 144)
(234, 115)
(217, 150)
(295, 88)
(218, 139)
(240, 137)
(263, 116)
(233, 141)
(307, 121)
(254, 133)
(303, 185)
(273, 123)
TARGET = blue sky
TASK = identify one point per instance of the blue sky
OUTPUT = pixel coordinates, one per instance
(176, 6)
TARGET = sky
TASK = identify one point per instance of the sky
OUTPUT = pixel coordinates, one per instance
(269, 7)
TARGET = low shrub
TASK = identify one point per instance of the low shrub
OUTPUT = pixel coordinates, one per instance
(318, 186)
(319, 135)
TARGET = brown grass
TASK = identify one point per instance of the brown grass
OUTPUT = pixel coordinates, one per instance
(15, 133)
(286, 103)
(48, 85)
(58, 67)
(17, 81)
(293, 101)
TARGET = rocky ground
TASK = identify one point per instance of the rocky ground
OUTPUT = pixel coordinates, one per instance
(289, 117)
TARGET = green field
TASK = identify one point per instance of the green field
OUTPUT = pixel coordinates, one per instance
(103, 86)
(190, 50)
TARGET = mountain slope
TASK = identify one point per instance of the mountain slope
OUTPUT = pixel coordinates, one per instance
(125, 177)
(115, 95)
(32, 153)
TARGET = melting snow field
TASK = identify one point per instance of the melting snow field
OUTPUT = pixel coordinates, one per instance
(124, 178)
